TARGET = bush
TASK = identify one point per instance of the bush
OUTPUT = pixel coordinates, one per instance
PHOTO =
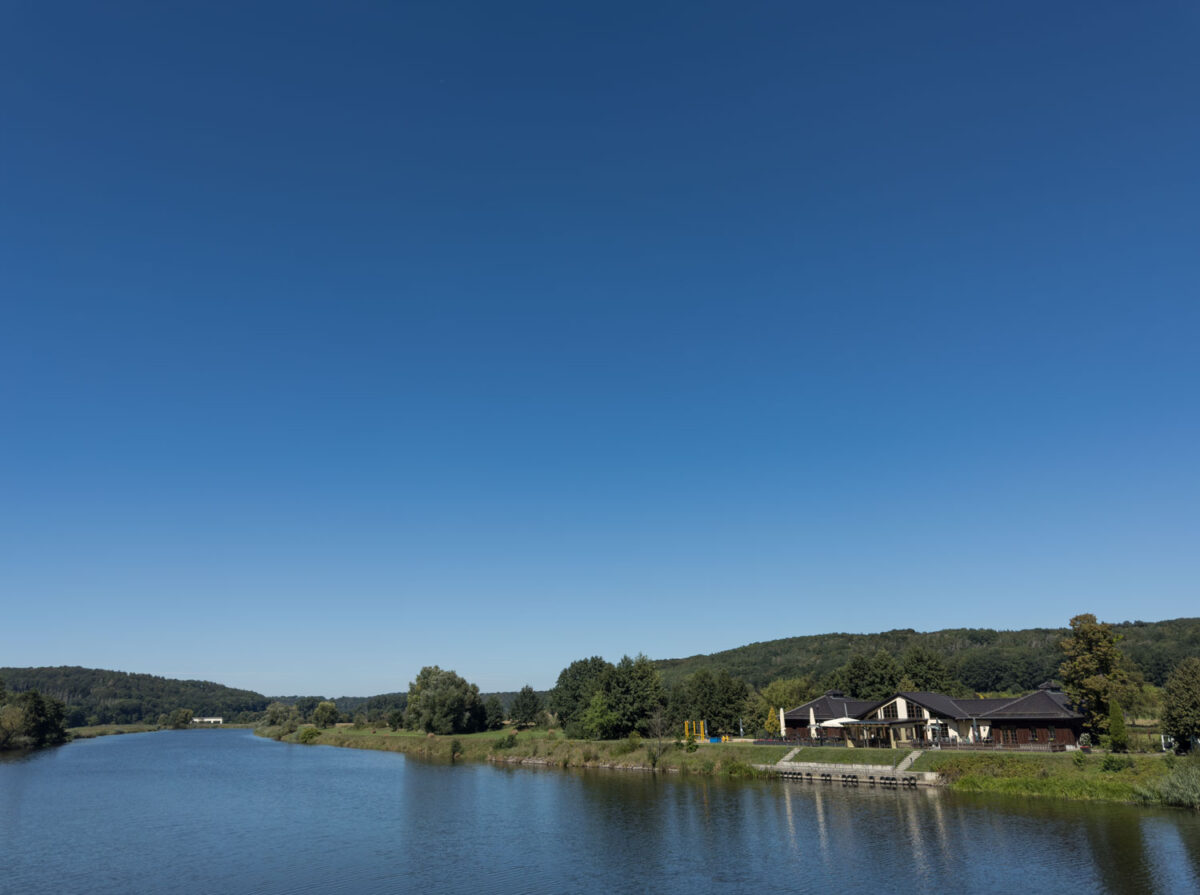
(507, 742)
(1118, 733)
(1080, 760)
(1114, 763)
(631, 744)
(308, 735)
(1180, 788)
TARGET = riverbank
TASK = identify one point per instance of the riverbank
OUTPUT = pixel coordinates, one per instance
(551, 749)
(1145, 779)
(1136, 779)
(108, 730)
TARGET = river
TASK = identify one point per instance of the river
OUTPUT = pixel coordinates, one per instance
(222, 811)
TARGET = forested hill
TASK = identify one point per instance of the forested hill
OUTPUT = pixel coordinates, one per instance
(96, 696)
(985, 660)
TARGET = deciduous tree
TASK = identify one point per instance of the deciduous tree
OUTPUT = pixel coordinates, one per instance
(493, 710)
(442, 702)
(42, 722)
(1181, 704)
(572, 693)
(1094, 672)
(785, 693)
(923, 670)
(325, 714)
(526, 707)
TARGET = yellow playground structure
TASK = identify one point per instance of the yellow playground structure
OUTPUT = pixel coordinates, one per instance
(699, 730)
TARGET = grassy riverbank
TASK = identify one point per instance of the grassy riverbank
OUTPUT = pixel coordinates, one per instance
(734, 760)
(1063, 775)
(108, 730)
(1145, 779)
(835, 755)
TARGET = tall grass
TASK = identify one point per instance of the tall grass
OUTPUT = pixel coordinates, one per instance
(1180, 788)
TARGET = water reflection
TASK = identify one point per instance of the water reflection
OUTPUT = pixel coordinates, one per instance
(233, 814)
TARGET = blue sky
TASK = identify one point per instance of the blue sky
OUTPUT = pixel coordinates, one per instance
(336, 341)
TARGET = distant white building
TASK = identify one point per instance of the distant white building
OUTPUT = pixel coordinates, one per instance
(214, 722)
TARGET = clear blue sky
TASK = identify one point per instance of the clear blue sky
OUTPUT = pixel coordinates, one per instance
(341, 339)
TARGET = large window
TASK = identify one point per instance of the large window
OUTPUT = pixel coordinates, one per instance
(914, 710)
(890, 710)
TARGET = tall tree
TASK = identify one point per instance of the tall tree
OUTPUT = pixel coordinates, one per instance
(720, 700)
(1094, 672)
(42, 724)
(493, 710)
(526, 706)
(633, 690)
(923, 670)
(442, 702)
(1181, 704)
(785, 693)
(869, 678)
(325, 714)
(572, 693)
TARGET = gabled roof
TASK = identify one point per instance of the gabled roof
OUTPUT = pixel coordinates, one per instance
(976, 707)
(832, 705)
(1048, 704)
(1044, 704)
(938, 703)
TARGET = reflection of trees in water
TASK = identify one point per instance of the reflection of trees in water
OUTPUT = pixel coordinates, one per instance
(804, 837)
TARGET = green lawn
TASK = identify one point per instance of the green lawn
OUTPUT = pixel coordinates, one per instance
(837, 755)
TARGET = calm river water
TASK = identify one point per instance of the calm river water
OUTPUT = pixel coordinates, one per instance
(226, 812)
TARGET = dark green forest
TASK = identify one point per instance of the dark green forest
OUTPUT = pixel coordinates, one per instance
(983, 659)
(95, 696)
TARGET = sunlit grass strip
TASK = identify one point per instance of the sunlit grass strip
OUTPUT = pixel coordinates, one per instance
(1059, 775)
(836, 755)
(106, 730)
(552, 749)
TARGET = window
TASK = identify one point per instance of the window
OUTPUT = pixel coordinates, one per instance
(1051, 735)
(1033, 735)
(890, 710)
(1008, 736)
(914, 710)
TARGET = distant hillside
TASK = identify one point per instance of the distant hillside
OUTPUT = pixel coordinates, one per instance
(96, 696)
(984, 659)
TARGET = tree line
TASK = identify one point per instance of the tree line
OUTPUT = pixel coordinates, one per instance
(29, 720)
(982, 659)
(594, 698)
(92, 696)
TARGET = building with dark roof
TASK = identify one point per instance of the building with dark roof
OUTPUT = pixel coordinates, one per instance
(1043, 719)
